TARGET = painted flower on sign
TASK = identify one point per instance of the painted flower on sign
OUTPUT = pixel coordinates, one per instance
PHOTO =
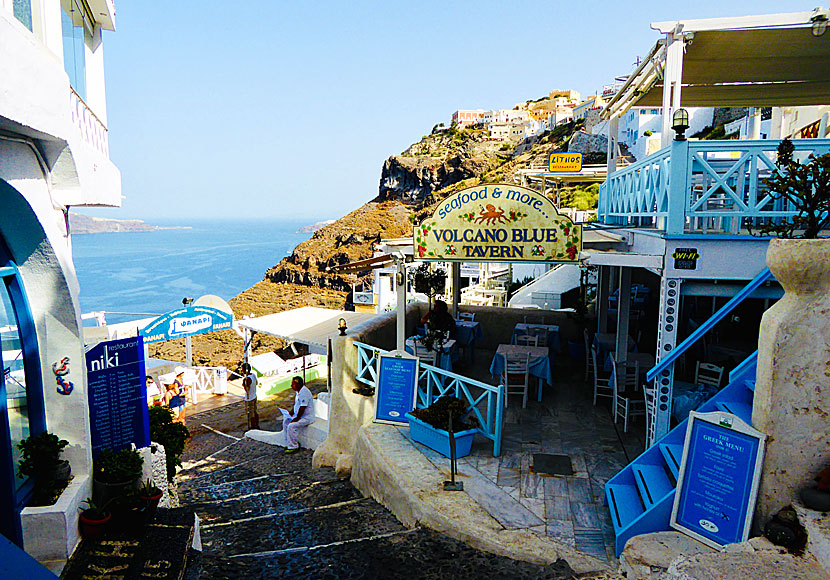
(515, 215)
(450, 250)
(537, 250)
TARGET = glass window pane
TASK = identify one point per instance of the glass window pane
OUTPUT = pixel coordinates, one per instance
(23, 12)
(13, 376)
(74, 63)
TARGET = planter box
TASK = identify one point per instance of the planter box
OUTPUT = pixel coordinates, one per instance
(439, 439)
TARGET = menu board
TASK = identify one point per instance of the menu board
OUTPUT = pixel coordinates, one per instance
(718, 481)
(117, 395)
(396, 387)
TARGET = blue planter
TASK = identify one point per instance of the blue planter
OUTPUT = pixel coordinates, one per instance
(438, 439)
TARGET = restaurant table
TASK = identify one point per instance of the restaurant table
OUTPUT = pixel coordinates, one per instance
(538, 365)
(688, 397)
(445, 357)
(606, 342)
(523, 328)
(467, 333)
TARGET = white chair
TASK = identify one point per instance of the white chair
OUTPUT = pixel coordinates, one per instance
(708, 374)
(515, 377)
(627, 403)
(601, 386)
(467, 316)
(425, 355)
(527, 340)
(650, 394)
(590, 364)
(541, 335)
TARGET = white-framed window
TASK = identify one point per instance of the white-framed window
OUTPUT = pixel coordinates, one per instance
(77, 27)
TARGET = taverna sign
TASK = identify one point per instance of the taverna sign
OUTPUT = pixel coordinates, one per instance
(497, 222)
(186, 322)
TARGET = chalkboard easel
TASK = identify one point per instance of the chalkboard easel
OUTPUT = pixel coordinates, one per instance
(396, 388)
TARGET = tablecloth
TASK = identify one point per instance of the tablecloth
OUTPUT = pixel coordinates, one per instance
(687, 397)
(467, 332)
(538, 366)
(606, 342)
(522, 329)
(445, 357)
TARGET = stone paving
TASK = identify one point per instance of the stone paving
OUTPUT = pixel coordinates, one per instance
(568, 508)
(269, 515)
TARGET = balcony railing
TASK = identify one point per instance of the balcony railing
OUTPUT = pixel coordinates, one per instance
(484, 402)
(700, 187)
(93, 131)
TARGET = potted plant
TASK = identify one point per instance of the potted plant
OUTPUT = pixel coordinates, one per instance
(93, 520)
(115, 474)
(429, 281)
(169, 434)
(40, 460)
(150, 495)
(429, 426)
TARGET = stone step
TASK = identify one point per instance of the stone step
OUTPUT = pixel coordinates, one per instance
(228, 490)
(298, 498)
(309, 437)
(298, 530)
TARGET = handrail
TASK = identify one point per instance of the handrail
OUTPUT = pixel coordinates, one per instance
(753, 285)
(747, 363)
(434, 382)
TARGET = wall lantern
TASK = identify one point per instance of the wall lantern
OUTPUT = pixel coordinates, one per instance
(341, 325)
(680, 122)
(820, 20)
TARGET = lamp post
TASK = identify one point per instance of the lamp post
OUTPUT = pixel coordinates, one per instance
(680, 122)
(188, 345)
(341, 326)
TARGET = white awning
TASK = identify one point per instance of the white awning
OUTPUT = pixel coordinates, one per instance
(308, 325)
(741, 62)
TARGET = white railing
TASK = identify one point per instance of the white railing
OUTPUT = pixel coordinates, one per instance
(701, 186)
(90, 127)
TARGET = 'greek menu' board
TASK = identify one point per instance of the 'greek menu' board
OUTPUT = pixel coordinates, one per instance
(117, 395)
(396, 387)
(718, 481)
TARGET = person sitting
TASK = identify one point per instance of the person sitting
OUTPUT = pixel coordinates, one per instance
(153, 392)
(174, 397)
(439, 318)
(302, 414)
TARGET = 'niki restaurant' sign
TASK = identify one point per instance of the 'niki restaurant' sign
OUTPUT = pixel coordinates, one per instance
(498, 222)
(186, 322)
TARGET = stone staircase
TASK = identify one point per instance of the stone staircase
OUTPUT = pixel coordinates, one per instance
(264, 514)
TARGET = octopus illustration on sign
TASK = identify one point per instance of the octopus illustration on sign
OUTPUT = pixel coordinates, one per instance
(498, 222)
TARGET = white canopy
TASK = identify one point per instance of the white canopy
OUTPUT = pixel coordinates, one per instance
(307, 325)
(748, 61)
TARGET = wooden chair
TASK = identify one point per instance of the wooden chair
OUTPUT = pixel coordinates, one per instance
(468, 316)
(708, 374)
(527, 340)
(627, 402)
(516, 376)
(541, 335)
(601, 386)
(650, 394)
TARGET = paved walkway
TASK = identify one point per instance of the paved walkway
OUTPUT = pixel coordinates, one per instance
(567, 508)
(265, 514)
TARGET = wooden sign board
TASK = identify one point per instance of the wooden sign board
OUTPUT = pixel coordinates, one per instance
(565, 162)
(718, 481)
(396, 388)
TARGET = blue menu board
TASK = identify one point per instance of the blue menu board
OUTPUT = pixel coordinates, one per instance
(396, 387)
(718, 481)
(117, 395)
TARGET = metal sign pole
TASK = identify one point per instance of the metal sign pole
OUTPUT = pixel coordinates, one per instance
(452, 484)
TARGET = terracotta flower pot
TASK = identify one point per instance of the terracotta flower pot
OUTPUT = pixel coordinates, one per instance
(92, 529)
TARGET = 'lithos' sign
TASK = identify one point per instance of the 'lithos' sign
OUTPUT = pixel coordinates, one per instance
(497, 222)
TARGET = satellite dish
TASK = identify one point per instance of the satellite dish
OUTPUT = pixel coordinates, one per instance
(212, 301)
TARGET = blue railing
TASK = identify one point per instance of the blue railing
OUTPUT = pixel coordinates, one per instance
(485, 402)
(744, 293)
(701, 186)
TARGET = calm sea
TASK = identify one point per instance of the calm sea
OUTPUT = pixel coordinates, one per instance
(150, 272)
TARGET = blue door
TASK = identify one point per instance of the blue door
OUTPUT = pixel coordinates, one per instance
(21, 396)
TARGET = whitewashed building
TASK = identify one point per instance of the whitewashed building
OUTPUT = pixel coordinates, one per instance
(640, 128)
(54, 154)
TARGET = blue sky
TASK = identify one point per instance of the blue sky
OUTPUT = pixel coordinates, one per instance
(274, 109)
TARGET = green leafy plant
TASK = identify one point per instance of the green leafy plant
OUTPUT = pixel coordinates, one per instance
(93, 511)
(438, 414)
(806, 186)
(429, 281)
(171, 435)
(40, 454)
(148, 489)
(117, 466)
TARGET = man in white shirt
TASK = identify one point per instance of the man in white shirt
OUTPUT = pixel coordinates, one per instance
(302, 415)
(250, 383)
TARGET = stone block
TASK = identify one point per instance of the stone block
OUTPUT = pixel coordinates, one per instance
(645, 557)
(758, 565)
(817, 525)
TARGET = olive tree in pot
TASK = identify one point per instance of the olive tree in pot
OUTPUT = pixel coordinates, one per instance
(40, 460)
(792, 399)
